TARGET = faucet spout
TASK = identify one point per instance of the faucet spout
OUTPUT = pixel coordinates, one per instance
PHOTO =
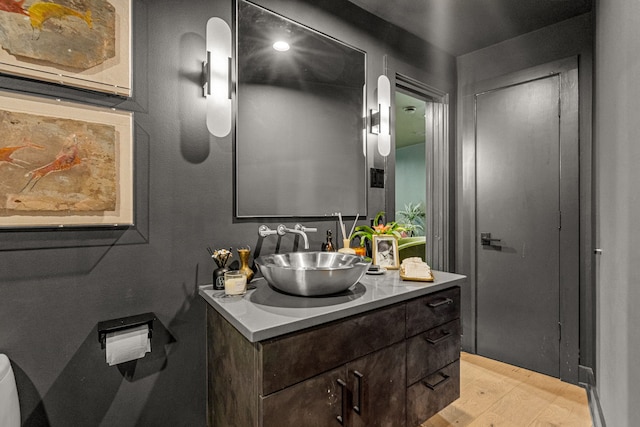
(282, 230)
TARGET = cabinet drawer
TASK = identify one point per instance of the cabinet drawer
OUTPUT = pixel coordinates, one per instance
(432, 310)
(295, 357)
(432, 350)
(432, 394)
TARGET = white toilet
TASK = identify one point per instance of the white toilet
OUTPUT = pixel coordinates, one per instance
(9, 405)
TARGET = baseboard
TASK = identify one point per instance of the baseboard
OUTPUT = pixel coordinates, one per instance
(585, 376)
(587, 380)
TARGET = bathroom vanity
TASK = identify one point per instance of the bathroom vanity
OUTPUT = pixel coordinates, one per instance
(384, 353)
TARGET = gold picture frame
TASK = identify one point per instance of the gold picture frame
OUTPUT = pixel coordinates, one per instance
(385, 252)
(80, 43)
(64, 164)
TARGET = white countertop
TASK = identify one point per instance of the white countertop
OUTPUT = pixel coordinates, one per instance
(264, 313)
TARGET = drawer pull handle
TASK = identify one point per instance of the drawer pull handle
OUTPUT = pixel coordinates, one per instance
(445, 301)
(445, 335)
(358, 408)
(340, 417)
(444, 379)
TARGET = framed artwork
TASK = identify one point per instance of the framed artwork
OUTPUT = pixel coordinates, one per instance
(81, 43)
(64, 164)
(385, 252)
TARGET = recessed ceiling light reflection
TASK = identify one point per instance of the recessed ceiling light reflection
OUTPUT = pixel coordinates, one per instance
(281, 46)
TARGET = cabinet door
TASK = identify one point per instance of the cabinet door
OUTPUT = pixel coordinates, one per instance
(378, 390)
(317, 402)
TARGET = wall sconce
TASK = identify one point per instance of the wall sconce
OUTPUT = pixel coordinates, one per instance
(381, 119)
(216, 72)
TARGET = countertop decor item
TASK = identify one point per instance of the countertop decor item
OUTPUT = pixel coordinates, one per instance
(328, 245)
(244, 253)
(385, 251)
(235, 283)
(415, 269)
(365, 232)
(221, 257)
(346, 240)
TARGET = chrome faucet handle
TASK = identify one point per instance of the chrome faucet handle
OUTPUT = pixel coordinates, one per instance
(264, 231)
(305, 229)
(281, 229)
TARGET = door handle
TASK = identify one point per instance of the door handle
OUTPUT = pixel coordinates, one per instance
(343, 386)
(443, 380)
(358, 408)
(486, 240)
(444, 336)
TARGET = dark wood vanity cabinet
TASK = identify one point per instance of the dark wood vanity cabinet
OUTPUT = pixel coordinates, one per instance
(380, 368)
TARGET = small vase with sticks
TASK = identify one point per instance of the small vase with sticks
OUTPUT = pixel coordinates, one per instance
(346, 238)
(221, 257)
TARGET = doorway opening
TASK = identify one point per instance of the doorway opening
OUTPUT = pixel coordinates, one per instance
(422, 169)
(411, 167)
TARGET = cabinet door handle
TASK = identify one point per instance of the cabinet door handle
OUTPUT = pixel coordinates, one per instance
(444, 301)
(358, 407)
(439, 383)
(445, 335)
(343, 401)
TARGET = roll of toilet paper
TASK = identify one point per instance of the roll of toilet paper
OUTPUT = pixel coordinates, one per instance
(127, 344)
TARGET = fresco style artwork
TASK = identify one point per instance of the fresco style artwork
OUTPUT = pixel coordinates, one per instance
(60, 170)
(82, 43)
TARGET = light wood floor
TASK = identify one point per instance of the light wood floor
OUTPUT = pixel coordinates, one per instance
(494, 394)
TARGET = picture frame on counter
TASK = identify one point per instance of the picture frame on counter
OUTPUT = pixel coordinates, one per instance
(385, 252)
(83, 44)
(64, 164)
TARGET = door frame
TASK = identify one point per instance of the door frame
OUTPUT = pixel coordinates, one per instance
(437, 162)
(466, 255)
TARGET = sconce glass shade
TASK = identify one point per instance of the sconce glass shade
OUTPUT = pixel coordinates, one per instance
(217, 85)
(384, 111)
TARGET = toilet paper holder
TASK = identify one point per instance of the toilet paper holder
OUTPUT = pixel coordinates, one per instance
(114, 325)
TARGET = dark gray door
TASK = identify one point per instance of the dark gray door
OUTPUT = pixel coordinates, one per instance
(518, 197)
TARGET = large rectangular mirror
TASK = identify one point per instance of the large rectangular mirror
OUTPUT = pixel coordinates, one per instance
(300, 138)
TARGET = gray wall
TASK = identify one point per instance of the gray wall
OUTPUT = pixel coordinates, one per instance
(617, 154)
(51, 299)
(569, 38)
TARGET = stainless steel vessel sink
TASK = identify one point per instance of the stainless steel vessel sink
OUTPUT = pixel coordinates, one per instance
(312, 273)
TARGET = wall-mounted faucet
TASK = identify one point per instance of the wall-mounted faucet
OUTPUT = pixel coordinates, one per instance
(298, 229)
